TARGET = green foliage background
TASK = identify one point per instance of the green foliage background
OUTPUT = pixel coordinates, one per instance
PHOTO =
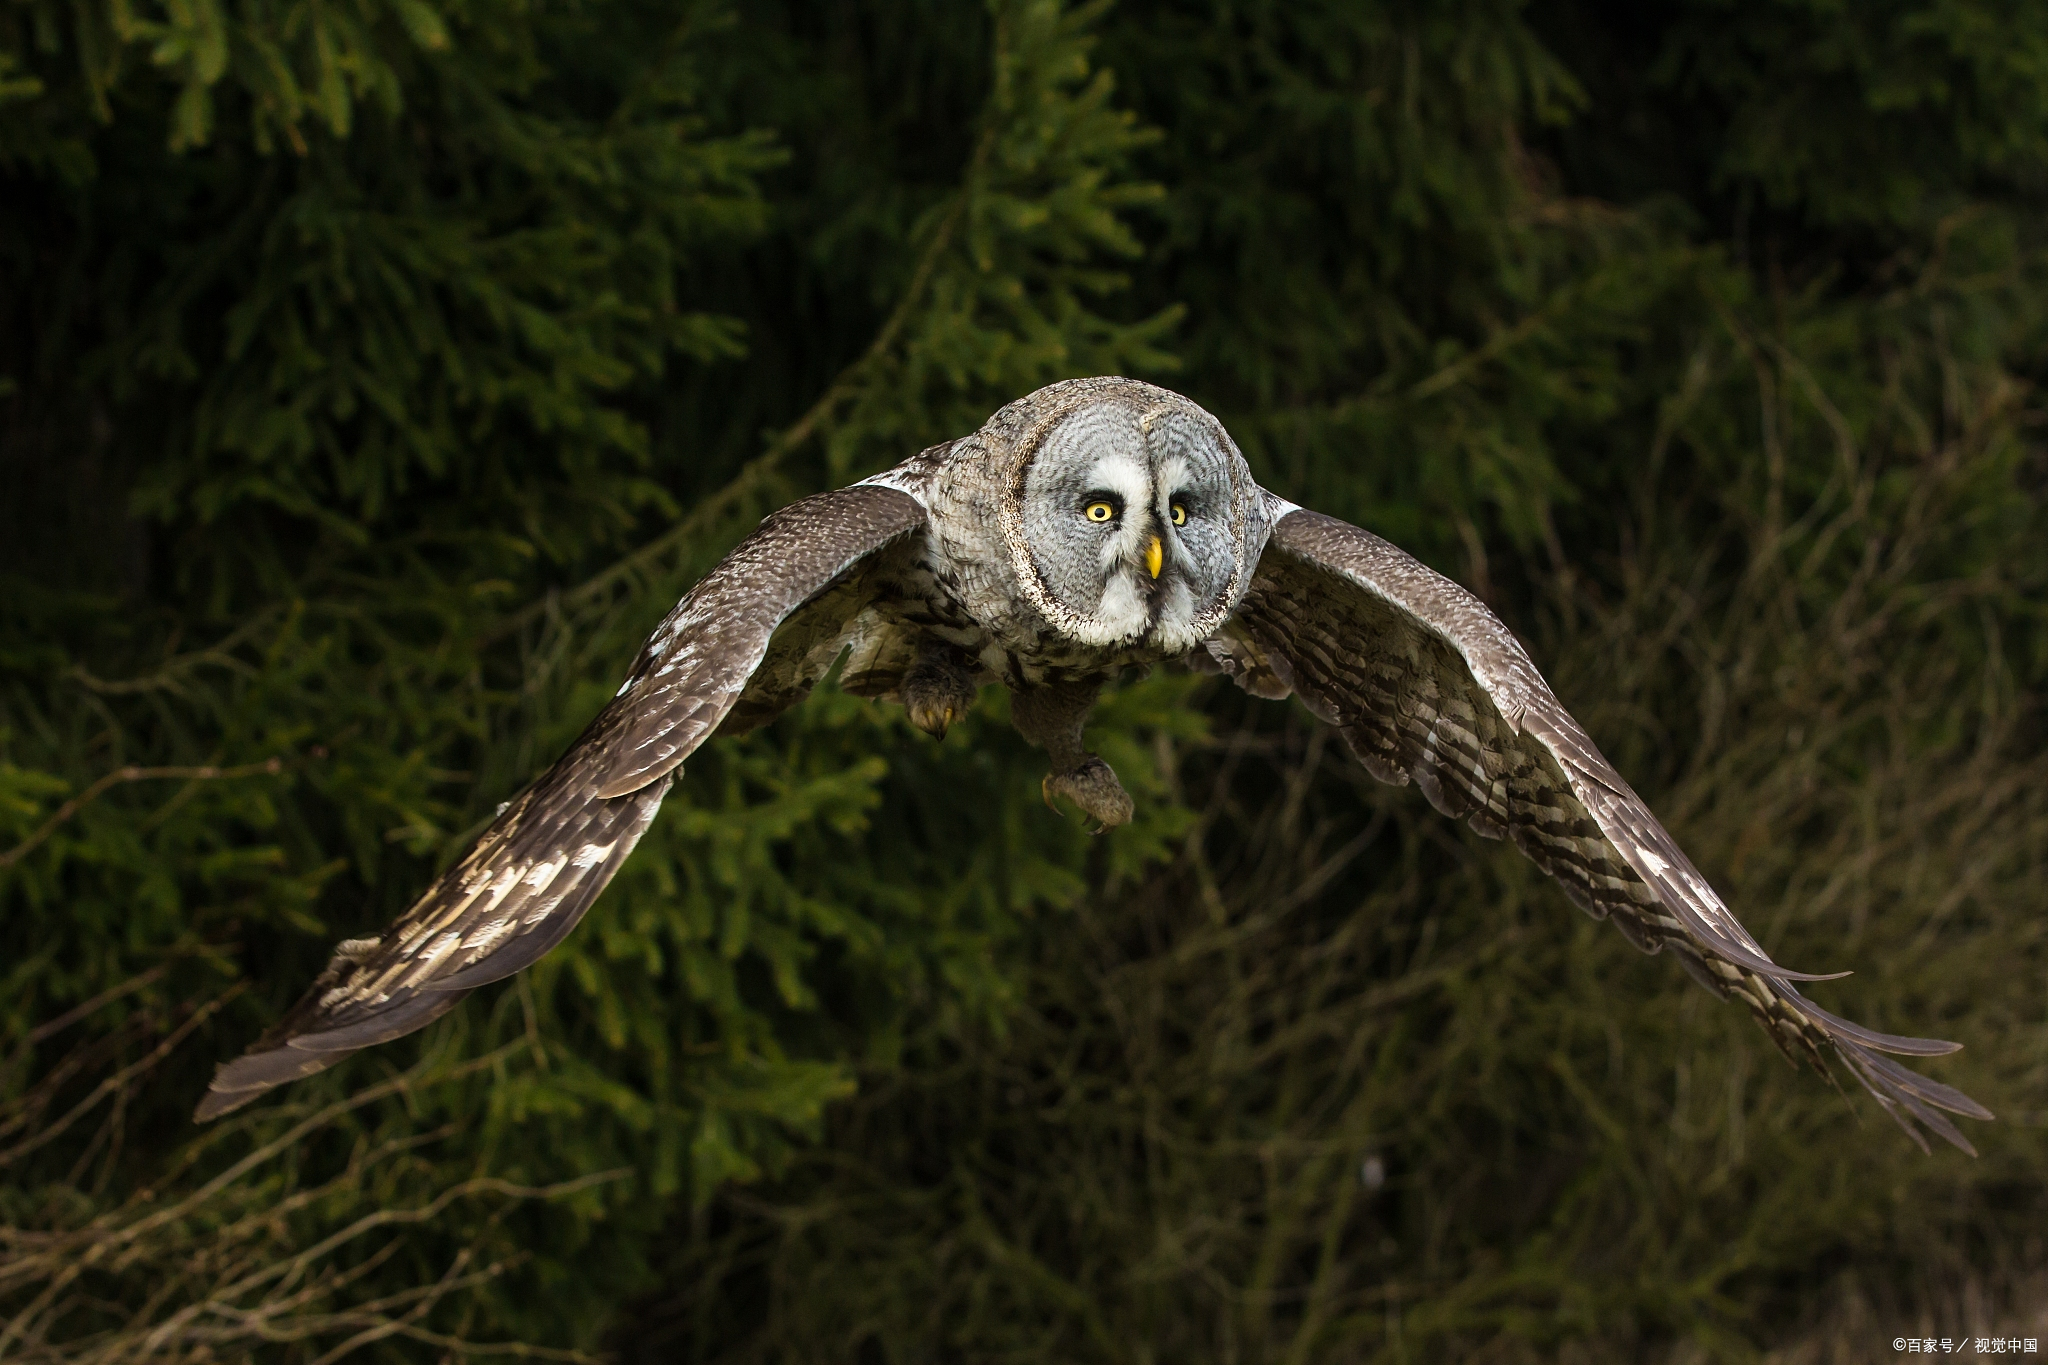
(374, 376)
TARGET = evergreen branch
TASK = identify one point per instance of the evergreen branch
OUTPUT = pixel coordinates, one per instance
(1448, 376)
(758, 470)
(203, 773)
(168, 678)
(1502, 341)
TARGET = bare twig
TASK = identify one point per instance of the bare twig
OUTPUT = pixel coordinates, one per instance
(121, 776)
(94, 1005)
(248, 1278)
(119, 1079)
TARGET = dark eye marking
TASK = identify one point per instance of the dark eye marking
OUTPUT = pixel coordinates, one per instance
(1103, 507)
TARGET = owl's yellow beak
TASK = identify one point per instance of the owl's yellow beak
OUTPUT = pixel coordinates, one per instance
(1155, 555)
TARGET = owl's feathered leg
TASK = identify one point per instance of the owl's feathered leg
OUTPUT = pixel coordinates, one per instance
(1051, 717)
(938, 689)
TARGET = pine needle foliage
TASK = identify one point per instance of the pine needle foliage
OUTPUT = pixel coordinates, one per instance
(376, 375)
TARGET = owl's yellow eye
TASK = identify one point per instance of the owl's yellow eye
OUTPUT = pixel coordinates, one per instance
(1179, 514)
(1100, 511)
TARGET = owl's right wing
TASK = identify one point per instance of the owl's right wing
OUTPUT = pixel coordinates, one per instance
(1427, 686)
(531, 875)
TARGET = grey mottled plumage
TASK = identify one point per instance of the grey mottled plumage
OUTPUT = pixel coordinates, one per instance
(1091, 526)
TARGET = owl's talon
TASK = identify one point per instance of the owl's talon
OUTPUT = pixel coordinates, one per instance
(936, 693)
(1094, 788)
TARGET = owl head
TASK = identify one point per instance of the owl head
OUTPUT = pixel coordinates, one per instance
(1130, 517)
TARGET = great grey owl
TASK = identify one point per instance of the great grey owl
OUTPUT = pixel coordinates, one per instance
(1095, 525)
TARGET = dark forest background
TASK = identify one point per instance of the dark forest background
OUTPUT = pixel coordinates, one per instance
(373, 373)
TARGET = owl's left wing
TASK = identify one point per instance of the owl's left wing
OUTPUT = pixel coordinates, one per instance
(1426, 685)
(536, 869)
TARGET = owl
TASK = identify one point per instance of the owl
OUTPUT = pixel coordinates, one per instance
(1094, 526)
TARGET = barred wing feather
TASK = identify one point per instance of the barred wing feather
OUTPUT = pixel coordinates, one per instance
(1427, 686)
(535, 871)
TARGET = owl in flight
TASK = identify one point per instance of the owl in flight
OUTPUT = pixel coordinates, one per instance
(1094, 525)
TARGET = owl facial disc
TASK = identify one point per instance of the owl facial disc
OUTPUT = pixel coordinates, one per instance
(1133, 511)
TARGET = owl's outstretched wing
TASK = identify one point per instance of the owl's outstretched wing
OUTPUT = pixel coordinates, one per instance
(537, 868)
(1426, 685)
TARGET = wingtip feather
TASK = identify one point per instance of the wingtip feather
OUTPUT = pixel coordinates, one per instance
(1895, 1043)
(253, 1074)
